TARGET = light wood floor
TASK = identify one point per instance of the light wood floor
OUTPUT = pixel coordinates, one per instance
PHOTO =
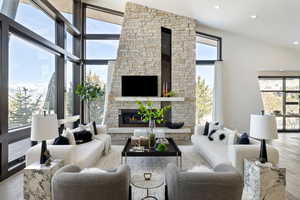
(287, 144)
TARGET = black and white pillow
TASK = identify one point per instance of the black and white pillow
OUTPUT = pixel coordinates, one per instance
(90, 128)
(219, 135)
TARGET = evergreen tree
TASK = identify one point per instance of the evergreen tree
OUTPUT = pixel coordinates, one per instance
(203, 99)
(21, 107)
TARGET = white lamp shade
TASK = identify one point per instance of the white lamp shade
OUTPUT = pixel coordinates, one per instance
(44, 127)
(263, 127)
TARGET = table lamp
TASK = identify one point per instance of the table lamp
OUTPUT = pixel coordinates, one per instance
(263, 127)
(44, 127)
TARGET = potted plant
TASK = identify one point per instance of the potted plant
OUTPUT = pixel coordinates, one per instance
(88, 93)
(152, 115)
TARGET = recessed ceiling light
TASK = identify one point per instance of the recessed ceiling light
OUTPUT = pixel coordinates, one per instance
(295, 42)
(253, 16)
(217, 6)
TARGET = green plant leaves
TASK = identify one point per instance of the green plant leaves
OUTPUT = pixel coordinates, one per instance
(89, 91)
(148, 112)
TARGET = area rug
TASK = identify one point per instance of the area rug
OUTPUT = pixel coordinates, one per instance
(139, 165)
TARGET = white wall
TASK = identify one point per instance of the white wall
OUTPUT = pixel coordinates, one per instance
(243, 57)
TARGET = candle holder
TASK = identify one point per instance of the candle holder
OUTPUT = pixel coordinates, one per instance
(147, 176)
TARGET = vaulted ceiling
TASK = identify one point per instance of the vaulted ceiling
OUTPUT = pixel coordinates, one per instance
(273, 21)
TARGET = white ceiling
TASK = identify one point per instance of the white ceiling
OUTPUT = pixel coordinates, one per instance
(277, 22)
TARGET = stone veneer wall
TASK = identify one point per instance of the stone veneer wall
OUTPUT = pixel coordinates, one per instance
(140, 54)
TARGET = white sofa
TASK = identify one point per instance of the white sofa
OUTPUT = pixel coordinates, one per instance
(83, 155)
(217, 152)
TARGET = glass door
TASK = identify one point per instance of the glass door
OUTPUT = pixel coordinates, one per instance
(291, 104)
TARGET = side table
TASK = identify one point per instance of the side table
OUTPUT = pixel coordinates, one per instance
(263, 182)
(139, 181)
(37, 180)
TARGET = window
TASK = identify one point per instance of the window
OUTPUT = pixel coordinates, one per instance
(208, 50)
(102, 49)
(97, 74)
(27, 15)
(69, 89)
(69, 42)
(17, 150)
(31, 82)
(204, 93)
(98, 22)
(281, 97)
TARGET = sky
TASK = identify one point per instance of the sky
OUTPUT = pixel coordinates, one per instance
(33, 66)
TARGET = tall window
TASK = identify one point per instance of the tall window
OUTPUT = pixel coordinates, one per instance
(69, 98)
(27, 15)
(32, 65)
(103, 30)
(32, 85)
(207, 52)
(97, 74)
(281, 97)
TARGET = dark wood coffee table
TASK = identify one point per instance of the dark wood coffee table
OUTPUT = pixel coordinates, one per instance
(172, 151)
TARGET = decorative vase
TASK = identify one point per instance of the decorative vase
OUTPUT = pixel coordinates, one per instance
(151, 125)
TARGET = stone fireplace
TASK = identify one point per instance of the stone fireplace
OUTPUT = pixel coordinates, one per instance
(143, 52)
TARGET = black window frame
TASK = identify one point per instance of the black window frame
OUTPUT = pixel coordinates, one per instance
(219, 48)
(284, 102)
(87, 36)
(62, 55)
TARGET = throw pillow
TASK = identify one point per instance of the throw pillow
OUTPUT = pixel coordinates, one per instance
(95, 128)
(82, 136)
(206, 129)
(92, 171)
(244, 139)
(200, 168)
(232, 136)
(68, 133)
(89, 127)
(219, 135)
(61, 140)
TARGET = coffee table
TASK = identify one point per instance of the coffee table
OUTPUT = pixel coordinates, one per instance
(139, 181)
(172, 151)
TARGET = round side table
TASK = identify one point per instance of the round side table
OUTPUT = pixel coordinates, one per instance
(139, 181)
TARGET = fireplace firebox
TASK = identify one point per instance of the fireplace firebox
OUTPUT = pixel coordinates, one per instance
(131, 118)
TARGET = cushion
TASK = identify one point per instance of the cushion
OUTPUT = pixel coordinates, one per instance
(219, 135)
(82, 136)
(92, 171)
(232, 136)
(213, 126)
(206, 129)
(95, 128)
(89, 127)
(201, 168)
(68, 133)
(244, 139)
(61, 140)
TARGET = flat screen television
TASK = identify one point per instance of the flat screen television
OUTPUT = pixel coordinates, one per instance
(139, 86)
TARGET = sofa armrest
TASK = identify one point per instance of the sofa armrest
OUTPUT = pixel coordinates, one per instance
(63, 152)
(237, 154)
(101, 129)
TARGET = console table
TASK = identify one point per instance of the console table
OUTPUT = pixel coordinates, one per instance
(264, 183)
(37, 180)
